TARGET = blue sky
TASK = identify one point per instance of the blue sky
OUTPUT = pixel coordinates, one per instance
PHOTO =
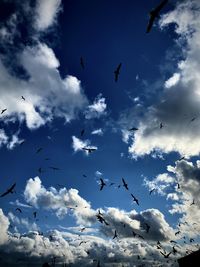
(40, 50)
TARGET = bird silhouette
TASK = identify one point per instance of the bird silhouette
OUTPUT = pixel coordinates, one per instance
(166, 255)
(117, 71)
(39, 150)
(178, 232)
(135, 199)
(161, 125)
(3, 110)
(82, 63)
(134, 234)
(82, 229)
(102, 184)
(84, 175)
(133, 129)
(151, 191)
(34, 214)
(174, 250)
(82, 132)
(89, 149)
(154, 14)
(101, 219)
(193, 203)
(10, 190)
(18, 209)
(115, 235)
(178, 186)
(125, 184)
(23, 98)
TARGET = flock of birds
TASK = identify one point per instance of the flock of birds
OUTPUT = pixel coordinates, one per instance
(154, 14)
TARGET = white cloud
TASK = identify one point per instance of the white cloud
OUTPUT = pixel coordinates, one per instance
(4, 222)
(178, 108)
(46, 12)
(97, 109)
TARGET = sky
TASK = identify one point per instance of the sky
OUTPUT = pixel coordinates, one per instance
(59, 99)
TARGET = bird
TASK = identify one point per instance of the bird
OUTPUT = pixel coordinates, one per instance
(84, 175)
(116, 72)
(191, 240)
(38, 150)
(178, 186)
(174, 250)
(125, 184)
(82, 242)
(23, 98)
(82, 63)
(133, 129)
(82, 132)
(34, 214)
(40, 170)
(101, 219)
(178, 232)
(102, 184)
(82, 229)
(10, 190)
(151, 191)
(18, 209)
(111, 184)
(22, 142)
(194, 118)
(161, 125)
(147, 227)
(181, 158)
(135, 199)
(166, 255)
(115, 235)
(154, 14)
(89, 149)
(3, 110)
(193, 203)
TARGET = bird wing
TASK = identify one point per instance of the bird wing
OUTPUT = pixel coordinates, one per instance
(160, 6)
(150, 24)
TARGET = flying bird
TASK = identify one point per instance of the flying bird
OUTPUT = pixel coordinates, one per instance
(115, 235)
(54, 168)
(23, 98)
(125, 184)
(82, 229)
(117, 71)
(161, 125)
(84, 175)
(89, 149)
(101, 219)
(18, 209)
(166, 255)
(181, 158)
(102, 184)
(38, 150)
(135, 199)
(193, 203)
(178, 232)
(151, 191)
(154, 14)
(3, 110)
(34, 214)
(82, 63)
(10, 190)
(133, 129)
(82, 132)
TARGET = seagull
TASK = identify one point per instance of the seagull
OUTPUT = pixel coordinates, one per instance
(84, 175)
(34, 214)
(22, 97)
(154, 14)
(116, 72)
(3, 110)
(115, 235)
(181, 158)
(133, 129)
(82, 132)
(38, 150)
(134, 234)
(18, 209)
(178, 186)
(161, 125)
(151, 191)
(89, 149)
(174, 250)
(10, 190)
(166, 255)
(191, 240)
(193, 203)
(82, 63)
(178, 232)
(125, 184)
(194, 118)
(101, 219)
(82, 229)
(102, 184)
(135, 199)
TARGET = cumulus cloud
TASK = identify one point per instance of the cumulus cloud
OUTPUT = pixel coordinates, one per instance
(97, 109)
(4, 222)
(178, 107)
(97, 132)
(181, 186)
(46, 12)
